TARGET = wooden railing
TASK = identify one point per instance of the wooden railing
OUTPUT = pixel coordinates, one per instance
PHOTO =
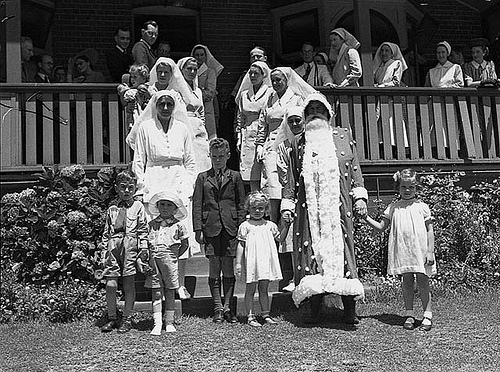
(61, 124)
(83, 123)
(422, 125)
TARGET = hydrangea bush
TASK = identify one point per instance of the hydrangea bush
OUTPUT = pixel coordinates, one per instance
(50, 232)
(49, 235)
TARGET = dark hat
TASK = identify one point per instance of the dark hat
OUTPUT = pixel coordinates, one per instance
(479, 41)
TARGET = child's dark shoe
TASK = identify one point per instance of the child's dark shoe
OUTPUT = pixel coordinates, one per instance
(125, 326)
(426, 324)
(230, 317)
(218, 317)
(409, 323)
(109, 326)
(351, 319)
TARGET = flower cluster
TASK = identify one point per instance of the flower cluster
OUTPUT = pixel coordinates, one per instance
(76, 218)
(73, 174)
(12, 198)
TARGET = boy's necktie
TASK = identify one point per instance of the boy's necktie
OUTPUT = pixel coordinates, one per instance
(219, 178)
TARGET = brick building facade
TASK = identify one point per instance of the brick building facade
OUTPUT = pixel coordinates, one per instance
(231, 28)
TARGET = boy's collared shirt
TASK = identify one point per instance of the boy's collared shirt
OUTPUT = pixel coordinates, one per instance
(135, 224)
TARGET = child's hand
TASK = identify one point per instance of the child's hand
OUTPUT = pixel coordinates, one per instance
(198, 235)
(259, 156)
(100, 257)
(144, 255)
(287, 216)
(238, 270)
(360, 208)
(429, 259)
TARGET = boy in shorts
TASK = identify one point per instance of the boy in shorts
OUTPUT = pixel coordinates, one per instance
(123, 241)
(218, 210)
(168, 239)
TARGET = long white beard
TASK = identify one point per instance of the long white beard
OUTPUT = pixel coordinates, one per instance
(320, 170)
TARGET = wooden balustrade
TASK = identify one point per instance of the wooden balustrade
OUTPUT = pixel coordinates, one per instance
(61, 124)
(421, 124)
(83, 123)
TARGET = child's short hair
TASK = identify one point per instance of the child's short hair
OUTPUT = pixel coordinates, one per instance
(125, 175)
(406, 174)
(142, 69)
(219, 143)
(256, 197)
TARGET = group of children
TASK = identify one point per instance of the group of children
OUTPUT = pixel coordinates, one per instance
(239, 241)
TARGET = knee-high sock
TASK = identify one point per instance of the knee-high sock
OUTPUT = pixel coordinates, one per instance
(228, 284)
(214, 284)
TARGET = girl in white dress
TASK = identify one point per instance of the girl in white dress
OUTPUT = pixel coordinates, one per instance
(258, 254)
(411, 245)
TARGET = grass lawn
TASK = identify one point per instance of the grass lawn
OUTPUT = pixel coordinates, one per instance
(465, 337)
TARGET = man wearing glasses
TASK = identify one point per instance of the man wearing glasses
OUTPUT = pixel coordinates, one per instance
(142, 51)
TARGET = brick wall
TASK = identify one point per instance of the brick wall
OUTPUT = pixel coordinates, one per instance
(82, 24)
(231, 28)
(457, 24)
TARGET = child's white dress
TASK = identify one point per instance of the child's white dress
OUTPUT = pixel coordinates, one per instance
(261, 254)
(408, 238)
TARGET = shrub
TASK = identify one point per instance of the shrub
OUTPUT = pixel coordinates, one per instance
(68, 300)
(50, 232)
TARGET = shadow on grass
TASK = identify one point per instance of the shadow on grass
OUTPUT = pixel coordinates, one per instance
(389, 319)
(330, 318)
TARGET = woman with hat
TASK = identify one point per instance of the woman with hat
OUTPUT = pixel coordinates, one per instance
(388, 65)
(251, 98)
(445, 74)
(347, 69)
(479, 70)
(289, 89)
(208, 71)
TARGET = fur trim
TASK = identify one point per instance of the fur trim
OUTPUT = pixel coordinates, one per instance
(322, 186)
(359, 193)
(314, 284)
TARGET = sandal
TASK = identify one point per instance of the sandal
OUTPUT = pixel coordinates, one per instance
(426, 327)
(409, 323)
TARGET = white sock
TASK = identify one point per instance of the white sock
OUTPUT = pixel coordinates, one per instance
(427, 318)
(157, 318)
(410, 313)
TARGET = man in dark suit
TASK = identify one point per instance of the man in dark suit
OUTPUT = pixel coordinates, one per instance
(119, 58)
(218, 210)
(45, 65)
(315, 75)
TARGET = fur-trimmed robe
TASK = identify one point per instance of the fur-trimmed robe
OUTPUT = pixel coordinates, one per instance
(334, 276)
